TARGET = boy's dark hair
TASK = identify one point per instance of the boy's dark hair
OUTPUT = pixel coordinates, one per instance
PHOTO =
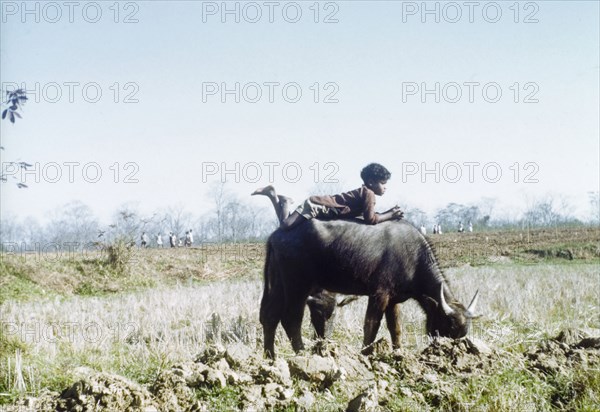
(375, 172)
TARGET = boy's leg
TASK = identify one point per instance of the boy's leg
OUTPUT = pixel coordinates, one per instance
(284, 206)
(269, 191)
(280, 203)
(292, 220)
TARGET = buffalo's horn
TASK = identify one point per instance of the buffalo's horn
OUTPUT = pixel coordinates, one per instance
(471, 309)
(447, 309)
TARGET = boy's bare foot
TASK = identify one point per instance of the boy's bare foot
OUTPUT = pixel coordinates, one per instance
(265, 191)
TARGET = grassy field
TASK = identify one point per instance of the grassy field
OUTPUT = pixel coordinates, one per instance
(65, 318)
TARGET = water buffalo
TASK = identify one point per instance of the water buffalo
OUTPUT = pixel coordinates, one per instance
(390, 262)
(322, 305)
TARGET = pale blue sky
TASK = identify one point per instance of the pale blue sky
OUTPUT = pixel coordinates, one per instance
(369, 54)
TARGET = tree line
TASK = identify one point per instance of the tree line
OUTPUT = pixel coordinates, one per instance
(233, 219)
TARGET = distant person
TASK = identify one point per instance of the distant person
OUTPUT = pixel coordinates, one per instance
(439, 227)
(435, 229)
(159, 242)
(144, 238)
(188, 239)
(423, 230)
(191, 237)
(172, 239)
(460, 227)
(470, 227)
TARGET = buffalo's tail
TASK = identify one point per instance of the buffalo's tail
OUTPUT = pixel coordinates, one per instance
(272, 301)
(272, 293)
(266, 271)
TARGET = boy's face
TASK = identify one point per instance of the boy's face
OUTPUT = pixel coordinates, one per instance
(377, 187)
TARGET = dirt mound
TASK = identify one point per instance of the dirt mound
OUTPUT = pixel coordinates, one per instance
(172, 392)
(104, 391)
(560, 360)
(100, 391)
(446, 355)
(400, 379)
(557, 355)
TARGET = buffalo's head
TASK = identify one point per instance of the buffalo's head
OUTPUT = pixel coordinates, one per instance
(322, 305)
(322, 312)
(449, 319)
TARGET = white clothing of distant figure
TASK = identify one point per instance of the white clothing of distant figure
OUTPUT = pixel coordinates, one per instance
(423, 230)
(439, 229)
(144, 238)
(470, 227)
(159, 241)
(188, 239)
(460, 227)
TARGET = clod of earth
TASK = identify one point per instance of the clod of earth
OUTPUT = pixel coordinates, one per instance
(303, 382)
(557, 355)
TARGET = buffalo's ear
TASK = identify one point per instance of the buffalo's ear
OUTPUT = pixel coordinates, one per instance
(429, 301)
(473, 315)
(347, 300)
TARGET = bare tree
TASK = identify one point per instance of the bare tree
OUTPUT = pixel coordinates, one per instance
(32, 231)
(234, 220)
(10, 230)
(550, 211)
(454, 213)
(565, 211)
(177, 219)
(220, 195)
(486, 206)
(415, 216)
(73, 223)
(126, 225)
(231, 218)
(239, 220)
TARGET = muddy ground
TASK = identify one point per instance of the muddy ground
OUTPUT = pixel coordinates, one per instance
(332, 376)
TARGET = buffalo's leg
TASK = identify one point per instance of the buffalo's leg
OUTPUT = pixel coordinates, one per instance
(269, 340)
(375, 309)
(292, 322)
(271, 307)
(269, 324)
(392, 318)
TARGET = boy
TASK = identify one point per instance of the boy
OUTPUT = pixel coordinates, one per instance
(345, 205)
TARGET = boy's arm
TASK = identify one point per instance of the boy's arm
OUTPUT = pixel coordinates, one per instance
(373, 218)
(369, 214)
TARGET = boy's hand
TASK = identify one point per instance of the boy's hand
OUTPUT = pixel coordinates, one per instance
(397, 213)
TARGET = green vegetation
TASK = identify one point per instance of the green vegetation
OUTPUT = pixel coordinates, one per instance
(121, 268)
(65, 317)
